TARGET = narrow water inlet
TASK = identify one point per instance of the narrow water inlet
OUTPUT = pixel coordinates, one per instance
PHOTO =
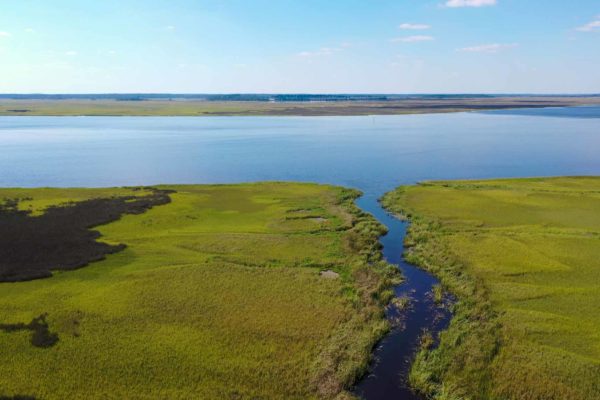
(388, 373)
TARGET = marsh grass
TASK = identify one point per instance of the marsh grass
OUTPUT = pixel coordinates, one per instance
(438, 293)
(401, 303)
(218, 295)
(62, 237)
(193, 107)
(522, 256)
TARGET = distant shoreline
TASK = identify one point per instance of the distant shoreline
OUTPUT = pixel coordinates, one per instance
(333, 105)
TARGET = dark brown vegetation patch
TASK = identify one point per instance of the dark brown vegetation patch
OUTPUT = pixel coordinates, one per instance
(61, 238)
(41, 335)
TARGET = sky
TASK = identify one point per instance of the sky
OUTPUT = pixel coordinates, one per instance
(299, 46)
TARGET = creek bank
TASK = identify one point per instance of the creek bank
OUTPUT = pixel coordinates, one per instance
(419, 317)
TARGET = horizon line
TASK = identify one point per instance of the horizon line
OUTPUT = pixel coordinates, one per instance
(299, 94)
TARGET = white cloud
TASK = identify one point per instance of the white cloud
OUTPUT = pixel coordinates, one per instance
(29, 30)
(323, 51)
(169, 28)
(488, 48)
(4, 34)
(415, 38)
(71, 53)
(470, 3)
(590, 27)
(414, 26)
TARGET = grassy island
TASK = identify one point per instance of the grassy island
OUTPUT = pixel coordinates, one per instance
(522, 256)
(267, 290)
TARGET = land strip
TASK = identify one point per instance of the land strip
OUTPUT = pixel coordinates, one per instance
(522, 257)
(195, 107)
(267, 290)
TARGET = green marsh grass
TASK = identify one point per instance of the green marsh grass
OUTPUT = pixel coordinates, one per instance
(523, 258)
(194, 107)
(218, 295)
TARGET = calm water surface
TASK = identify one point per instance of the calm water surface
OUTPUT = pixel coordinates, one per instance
(371, 153)
(374, 154)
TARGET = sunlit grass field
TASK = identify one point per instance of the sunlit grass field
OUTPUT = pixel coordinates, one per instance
(523, 257)
(218, 295)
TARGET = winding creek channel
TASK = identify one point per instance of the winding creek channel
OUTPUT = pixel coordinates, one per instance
(388, 374)
(373, 154)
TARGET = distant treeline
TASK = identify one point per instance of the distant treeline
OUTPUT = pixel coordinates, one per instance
(265, 97)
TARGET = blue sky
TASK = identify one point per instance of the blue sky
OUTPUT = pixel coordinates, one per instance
(316, 46)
